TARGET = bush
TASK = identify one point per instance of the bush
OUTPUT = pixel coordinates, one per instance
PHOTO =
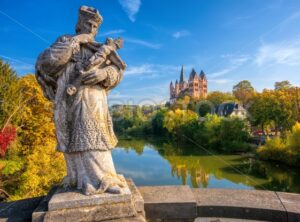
(283, 150)
(7, 135)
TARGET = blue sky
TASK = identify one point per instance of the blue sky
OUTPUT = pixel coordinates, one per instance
(231, 40)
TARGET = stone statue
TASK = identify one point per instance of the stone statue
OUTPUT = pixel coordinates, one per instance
(76, 73)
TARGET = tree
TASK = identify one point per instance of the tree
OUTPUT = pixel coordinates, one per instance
(275, 107)
(157, 123)
(43, 165)
(217, 97)
(9, 94)
(36, 119)
(283, 85)
(175, 119)
(286, 150)
(243, 91)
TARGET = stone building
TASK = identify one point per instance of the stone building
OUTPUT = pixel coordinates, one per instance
(195, 87)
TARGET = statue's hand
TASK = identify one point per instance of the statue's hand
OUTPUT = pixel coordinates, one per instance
(94, 77)
(84, 38)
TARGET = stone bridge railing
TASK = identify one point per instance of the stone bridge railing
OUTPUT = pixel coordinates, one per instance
(182, 203)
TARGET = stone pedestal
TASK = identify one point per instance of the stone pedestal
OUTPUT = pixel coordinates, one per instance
(74, 206)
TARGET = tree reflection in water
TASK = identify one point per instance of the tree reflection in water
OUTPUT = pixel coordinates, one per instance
(195, 167)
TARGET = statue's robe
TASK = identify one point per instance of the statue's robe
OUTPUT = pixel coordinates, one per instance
(83, 124)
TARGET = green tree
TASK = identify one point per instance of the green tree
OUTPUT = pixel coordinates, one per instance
(157, 123)
(283, 85)
(10, 101)
(286, 150)
(217, 97)
(175, 119)
(234, 134)
(243, 91)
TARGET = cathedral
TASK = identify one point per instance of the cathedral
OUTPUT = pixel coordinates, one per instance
(196, 87)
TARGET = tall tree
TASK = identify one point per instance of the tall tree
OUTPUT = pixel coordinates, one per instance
(9, 94)
(274, 106)
(283, 85)
(243, 91)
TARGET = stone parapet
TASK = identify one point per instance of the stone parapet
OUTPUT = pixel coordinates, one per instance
(178, 204)
(236, 205)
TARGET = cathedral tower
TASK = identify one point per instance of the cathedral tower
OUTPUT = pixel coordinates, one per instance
(196, 87)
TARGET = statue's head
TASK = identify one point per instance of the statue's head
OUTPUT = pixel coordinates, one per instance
(89, 20)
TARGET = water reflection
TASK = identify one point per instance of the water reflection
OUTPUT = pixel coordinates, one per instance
(157, 162)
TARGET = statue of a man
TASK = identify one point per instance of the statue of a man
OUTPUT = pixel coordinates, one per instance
(83, 125)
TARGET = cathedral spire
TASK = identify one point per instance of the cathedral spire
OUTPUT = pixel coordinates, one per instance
(193, 74)
(181, 75)
(202, 75)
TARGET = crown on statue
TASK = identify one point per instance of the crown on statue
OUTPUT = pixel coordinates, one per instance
(90, 13)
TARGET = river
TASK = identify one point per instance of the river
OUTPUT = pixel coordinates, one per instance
(158, 162)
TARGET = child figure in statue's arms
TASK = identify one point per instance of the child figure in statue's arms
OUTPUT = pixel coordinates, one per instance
(106, 53)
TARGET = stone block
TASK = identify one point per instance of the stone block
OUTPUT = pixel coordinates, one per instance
(74, 199)
(72, 205)
(92, 213)
(291, 202)
(139, 218)
(136, 196)
(244, 204)
(169, 202)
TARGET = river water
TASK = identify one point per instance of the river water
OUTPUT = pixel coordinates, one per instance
(158, 162)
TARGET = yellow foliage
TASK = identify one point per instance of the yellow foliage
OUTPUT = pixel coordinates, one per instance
(285, 151)
(174, 119)
(45, 167)
(293, 140)
(35, 117)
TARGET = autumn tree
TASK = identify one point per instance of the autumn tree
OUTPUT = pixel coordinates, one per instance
(283, 85)
(173, 120)
(10, 101)
(273, 106)
(217, 97)
(42, 164)
(243, 91)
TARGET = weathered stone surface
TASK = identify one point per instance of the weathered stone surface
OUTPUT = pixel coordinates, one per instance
(73, 206)
(246, 204)
(215, 219)
(136, 197)
(75, 199)
(139, 218)
(18, 211)
(291, 202)
(91, 214)
(169, 202)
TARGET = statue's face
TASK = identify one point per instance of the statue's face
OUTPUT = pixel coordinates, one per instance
(89, 27)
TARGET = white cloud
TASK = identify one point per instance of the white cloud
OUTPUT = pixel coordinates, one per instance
(220, 81)
(151, 69)
(131, 7)
(112, 32)
(143, 43)
(234, 63)
(180, 34)
(20, 66)
(283, 53)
